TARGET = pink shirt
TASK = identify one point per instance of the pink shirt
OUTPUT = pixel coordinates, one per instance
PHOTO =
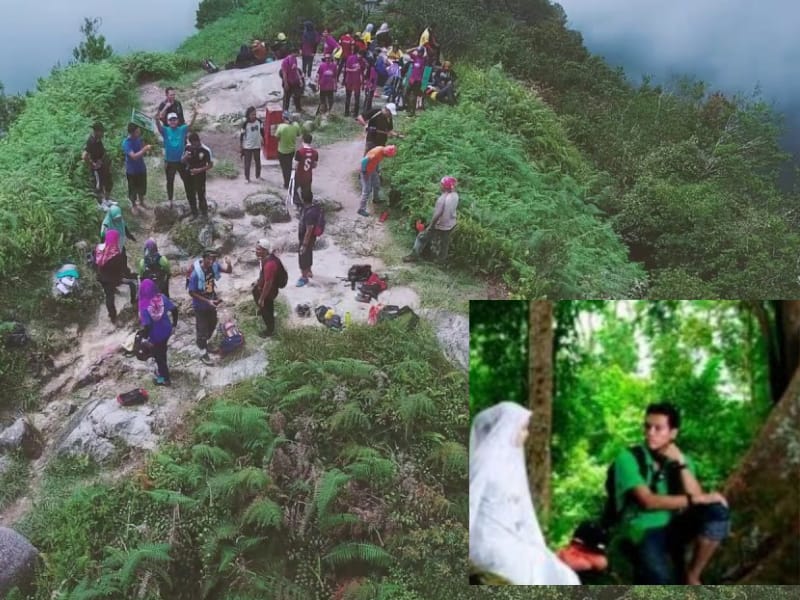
(417, 69)
(327, 76)
(354, 69)
(291, 74)
(371, 81)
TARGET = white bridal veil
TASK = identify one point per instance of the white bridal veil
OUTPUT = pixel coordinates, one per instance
(504, 534)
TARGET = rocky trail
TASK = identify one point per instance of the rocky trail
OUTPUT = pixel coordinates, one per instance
(79, 412)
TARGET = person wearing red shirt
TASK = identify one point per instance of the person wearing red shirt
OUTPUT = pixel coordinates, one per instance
(348, 46)
(265, 290)
(306, 158)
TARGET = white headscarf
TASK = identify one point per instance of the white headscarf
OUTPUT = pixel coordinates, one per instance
(504, 533)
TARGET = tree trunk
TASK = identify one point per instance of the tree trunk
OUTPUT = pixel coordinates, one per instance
(787, 315)
(764, 546)
(540, 401)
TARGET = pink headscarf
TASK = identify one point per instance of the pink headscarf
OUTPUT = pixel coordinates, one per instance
(109, 250)
(150, 299)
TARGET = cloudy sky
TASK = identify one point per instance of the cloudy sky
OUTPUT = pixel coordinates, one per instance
(732, 44)
(35, 35)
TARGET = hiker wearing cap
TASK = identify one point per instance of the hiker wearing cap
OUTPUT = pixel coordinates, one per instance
(271, 277)
(379, 125)
(371, 175)
(135, 169)
(280, 49)
(353, 80)
(326, 81)
(311, 224)
(95, 156)
(347, 44)
(306, 158)
(156, 327)
(154, 266)
(198, 161)
(115, 221)
(442, 223)
(292, 79)
(174, 136)
(251, 139)
(287, 133)
(170, 105)
(383, 38)
(202, 288)
(308, 46)
(112, 271)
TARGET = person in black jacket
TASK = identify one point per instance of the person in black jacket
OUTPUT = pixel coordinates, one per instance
(198, 161)
(112, 271)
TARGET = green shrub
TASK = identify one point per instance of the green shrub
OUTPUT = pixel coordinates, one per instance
(143, 66)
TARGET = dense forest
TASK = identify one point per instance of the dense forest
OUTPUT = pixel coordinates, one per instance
(730, 367)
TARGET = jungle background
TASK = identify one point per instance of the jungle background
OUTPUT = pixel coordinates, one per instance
(588, 369)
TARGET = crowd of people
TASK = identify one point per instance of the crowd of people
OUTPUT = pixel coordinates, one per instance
(365, 62)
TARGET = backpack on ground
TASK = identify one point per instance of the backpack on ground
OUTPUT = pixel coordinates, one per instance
(406, 314)
(142, 348)
(358, 273)
(320, 311)
(373, 286)
(232, 338)
(133, 397)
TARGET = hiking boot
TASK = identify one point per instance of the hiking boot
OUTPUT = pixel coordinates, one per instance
(363, 212)
(301, 282)
(206, 359)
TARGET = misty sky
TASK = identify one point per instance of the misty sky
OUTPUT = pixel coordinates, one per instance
(35, 35)
(732, 44)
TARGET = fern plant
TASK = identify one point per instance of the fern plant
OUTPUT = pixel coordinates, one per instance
(368, 465)
(350, 418)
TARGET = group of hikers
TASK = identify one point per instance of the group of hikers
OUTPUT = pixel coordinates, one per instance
(187, 156)
(655, 505)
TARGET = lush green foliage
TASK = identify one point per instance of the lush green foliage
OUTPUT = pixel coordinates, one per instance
(614, 358)
(289, 486)
(210, 10)
(535, 224)
(93, 48)
(10, 108)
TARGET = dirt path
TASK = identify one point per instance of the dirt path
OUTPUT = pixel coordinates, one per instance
(96, 369)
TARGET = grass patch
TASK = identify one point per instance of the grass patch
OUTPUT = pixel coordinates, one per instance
(184, 235)
(14, 482)
(225, 169)
(336, 129)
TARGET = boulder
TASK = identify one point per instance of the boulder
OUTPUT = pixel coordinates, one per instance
(452, 331)
(260, 221)
(5, 465)
(102, 424)
(270, 205)
(232, 212)
(165, 217)
(18, 560)
(328, 204)
(22, 436)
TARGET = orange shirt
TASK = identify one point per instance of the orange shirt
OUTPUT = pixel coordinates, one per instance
(371, 159)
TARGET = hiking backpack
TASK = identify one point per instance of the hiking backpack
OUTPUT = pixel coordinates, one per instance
(373, 286)
(153, 270)
(281, 276)
(232, 338)
(142, 347)
(405, 314)
(358, 273)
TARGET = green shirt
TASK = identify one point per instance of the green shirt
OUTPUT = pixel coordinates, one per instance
(163, 263)
(287, 137)
(635, 519)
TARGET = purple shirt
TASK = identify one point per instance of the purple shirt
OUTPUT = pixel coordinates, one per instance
(330, 44)
(161, 329)
(327, 76)
(354, 69)
(290, 71)
(417, 69)
(371, 80)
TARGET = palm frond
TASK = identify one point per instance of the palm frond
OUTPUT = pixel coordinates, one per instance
(351, 551)
(263, 513)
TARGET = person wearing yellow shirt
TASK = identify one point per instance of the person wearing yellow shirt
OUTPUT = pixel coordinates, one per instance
(366, 35)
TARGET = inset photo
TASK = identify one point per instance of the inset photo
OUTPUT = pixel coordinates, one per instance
(634, 442)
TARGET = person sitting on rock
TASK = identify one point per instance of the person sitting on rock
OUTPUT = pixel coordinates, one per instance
(157, 328)
(442, 84)
(280, 48)
(154, 266)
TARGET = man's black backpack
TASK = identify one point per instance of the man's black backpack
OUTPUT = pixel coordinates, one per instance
(153, 270)
(281, 276)
(358, 273)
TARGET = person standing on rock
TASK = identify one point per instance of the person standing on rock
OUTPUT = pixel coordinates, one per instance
(271, 277)
(442, 223)
(135, 169)
(312, 222)
(112, 271)
(174, 136)
(326, 81)
(170, 105)
(306, 158)
(202, 288)
(379, 125)
(251, 139)
(292, 78)
(198, 160)
(371, 175)
(95, 156)
(154, 266)
(157, 328)
(287, 133)
(309, 46)
(353, 81)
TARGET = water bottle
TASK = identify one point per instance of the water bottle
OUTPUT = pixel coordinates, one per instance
(347, 319)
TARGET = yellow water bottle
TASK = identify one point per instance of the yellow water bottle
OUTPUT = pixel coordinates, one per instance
(347, 319)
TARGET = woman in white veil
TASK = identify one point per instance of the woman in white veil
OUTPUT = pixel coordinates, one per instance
(504, 534)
